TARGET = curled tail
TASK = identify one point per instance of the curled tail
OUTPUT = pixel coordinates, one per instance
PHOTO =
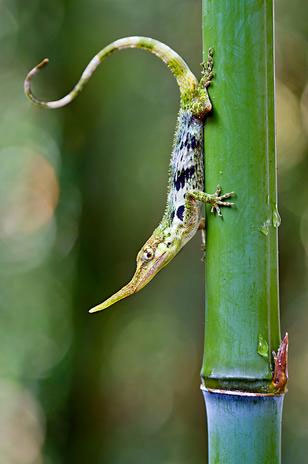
(186, 80)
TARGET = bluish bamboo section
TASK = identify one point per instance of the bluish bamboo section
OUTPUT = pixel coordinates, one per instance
(242, 306)
(244, 429)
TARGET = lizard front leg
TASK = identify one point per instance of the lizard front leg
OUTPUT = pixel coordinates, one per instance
(202, 229)
(216, 200)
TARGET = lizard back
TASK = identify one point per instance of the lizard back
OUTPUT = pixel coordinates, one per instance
(186, 170)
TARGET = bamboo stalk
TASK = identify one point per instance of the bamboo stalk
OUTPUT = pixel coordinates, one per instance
(244, 429)
(242, 305)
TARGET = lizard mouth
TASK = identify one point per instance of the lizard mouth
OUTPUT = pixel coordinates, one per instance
(138, 281)
(150, 273)
(126, 291)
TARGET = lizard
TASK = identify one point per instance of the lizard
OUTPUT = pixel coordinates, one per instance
(183, 213)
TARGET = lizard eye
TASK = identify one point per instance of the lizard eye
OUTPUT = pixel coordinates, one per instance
(148, 254)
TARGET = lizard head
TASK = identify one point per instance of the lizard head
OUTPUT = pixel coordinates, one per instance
(156, 253)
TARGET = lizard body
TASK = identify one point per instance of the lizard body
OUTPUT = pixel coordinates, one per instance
(182, 216)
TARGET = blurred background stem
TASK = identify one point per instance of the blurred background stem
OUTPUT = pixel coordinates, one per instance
(242, 306)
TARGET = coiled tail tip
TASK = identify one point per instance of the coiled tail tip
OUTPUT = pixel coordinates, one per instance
(43, 63)
(27, 83)
(36, 69)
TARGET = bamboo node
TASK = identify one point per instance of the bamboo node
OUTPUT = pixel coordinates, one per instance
(280, 376)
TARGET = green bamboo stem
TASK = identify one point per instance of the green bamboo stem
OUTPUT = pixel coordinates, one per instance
(242, 305)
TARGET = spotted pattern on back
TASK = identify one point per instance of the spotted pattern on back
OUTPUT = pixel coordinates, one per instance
(186, 165)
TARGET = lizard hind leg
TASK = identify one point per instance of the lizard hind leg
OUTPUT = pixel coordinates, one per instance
(201, 104)
(207, 69)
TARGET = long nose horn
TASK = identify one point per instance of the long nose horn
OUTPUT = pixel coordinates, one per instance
(126, 291)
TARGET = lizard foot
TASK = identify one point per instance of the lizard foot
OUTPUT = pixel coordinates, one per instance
(207, 69)
(216, 200)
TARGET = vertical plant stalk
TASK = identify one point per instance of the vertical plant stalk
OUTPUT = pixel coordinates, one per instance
(242, 392)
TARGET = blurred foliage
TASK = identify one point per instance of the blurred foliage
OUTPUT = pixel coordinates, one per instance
(81, 190)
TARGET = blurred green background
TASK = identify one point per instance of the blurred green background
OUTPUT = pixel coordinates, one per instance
(81, 190)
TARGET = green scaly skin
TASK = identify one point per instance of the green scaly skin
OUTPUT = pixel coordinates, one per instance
(182, 217)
